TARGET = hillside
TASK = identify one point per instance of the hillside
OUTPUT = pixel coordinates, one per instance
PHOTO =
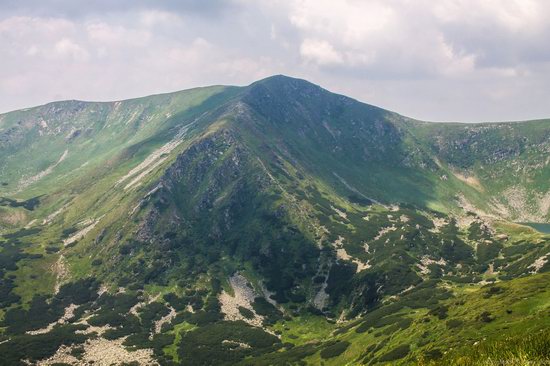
(276, 223)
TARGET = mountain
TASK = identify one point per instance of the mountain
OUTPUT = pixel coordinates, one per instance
(276, 223)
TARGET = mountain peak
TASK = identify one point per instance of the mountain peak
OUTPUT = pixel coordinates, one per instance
(283, 85)
(281, 79)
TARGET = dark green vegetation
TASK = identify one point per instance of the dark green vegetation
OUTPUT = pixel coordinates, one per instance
(271, 224)
(335, 349)
(225, 343)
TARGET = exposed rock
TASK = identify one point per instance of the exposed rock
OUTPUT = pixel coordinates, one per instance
(102, 352)
(156, 158)
(384, 231)
(89, 225)
(165, 320)
(539, 263)
(425, 261)
(342, 254)
(61, 272)
(27, 182)
(243, 297)
(340, 213)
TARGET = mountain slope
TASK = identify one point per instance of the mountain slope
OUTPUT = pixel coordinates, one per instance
(265, 224)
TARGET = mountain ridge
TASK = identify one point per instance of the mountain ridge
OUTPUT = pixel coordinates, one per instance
(264, 80)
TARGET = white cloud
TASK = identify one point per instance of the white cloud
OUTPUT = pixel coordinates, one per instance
(107, 35)
(351, 21)
(376, 37)
(445, 59)
(320, 52)
(514, 15)
(66, 47)
(152, 18)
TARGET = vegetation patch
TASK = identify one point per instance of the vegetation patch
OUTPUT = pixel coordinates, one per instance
(29, 204)
(37, 347)
(395, 354)
(334, 350)
(225, 343)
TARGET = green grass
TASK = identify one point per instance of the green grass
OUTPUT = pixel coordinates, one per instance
(529, 349)
(304, 329)
(172, 350)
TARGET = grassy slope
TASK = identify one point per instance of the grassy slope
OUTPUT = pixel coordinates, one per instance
(520, 309)
(87, 192)
(507, 162)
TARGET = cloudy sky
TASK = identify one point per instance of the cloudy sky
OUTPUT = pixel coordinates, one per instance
(448, 60)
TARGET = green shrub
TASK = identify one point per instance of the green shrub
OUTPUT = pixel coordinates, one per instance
(395, 354)
(264, 308)
(388, 320)
(486, 317)
(37, 347)
(40, 314)
(246, 313)
(440, 311)
(201, 318)
(78, 292)
(454, 323)
(335, 349)
(492, 290)
(68, 232)
(433, 354)
(178, 303)
(219, 343)
(52, 249)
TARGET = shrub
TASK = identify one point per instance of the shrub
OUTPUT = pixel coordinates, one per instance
(454, 323)
(52, 249)
(68, 232)
(176, 302)
(335, 349)
(439, 311)
(319, 279)
(262, 307)
(298, 297)
(40, 314)
(493, 290)
(246, 313)
(388, 320)
(37, 347)
(218, 343)
(79, 292)
(486, 317)
(433, 354)
(396, 353)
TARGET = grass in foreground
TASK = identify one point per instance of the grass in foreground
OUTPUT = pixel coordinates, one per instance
(533, 349)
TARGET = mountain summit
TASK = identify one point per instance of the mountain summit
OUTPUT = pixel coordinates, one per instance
(276, 223)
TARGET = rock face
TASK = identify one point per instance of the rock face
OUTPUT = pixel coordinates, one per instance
(243, 297)
(102, 352)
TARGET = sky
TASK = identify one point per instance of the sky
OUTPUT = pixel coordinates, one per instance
(444, 60)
